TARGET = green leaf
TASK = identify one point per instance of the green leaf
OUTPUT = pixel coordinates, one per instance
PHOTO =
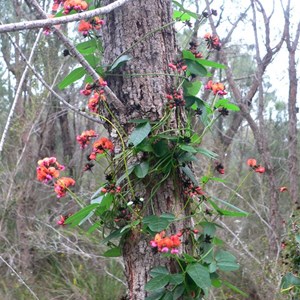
(114, 235)
(157, 283)
(189, 259)
(139, 134)
(178, 15)
(192, 14)
(226, 261)
(120, 61)
(178, 291)
(176, 279)
(188, 172)
(159, 271)
(144, 146)
(196, 68)
(297, 238)
(212, 267)
(114, 252)
(226, 104)
(209, 63)
(156, 224)
(200, 276)
(191, 88)
(160, 148)
(105, 203)
(207, 153)
(188, 148)
(235, 289)
(81, 214)
(139, 121)
(142, 169)
(87, 47)
(216, 282)
(289, 280)
(168, 296)
(187, 54)
(209, 228)
(190, 100)
(75, 75)
(237, 213)
(94, 227)
(92, 60)
(156, 295)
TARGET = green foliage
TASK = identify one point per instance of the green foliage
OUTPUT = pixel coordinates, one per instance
(75, 75)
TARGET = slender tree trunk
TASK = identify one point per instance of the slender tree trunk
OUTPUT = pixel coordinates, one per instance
(144, 97)
(293, 158)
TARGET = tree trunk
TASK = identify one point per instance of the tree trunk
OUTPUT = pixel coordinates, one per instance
(144, 97)
(293, 158)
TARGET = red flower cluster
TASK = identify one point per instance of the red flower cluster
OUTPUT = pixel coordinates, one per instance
(194, 50)
(217, 88)
(100, 146)
(175, 99)
(111, 188)
(178, 66)
(212, 41)
(98, 88)
(61, 186)
(165, 243)
(93, 24)
(68, 5)
(192, 190)
(85, 137)
(48, 168)
(283, 189)
(62, 220)
(251, 162)
(220, 168)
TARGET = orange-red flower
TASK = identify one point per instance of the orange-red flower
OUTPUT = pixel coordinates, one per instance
(84, 27)
(217, 87)
(251, 162)
(48, 168)
(77, 5)
(62, 184)
(165, 243)
(259, 169)
(85, 137)
(212, 41)
(283, 189)
(100, 146)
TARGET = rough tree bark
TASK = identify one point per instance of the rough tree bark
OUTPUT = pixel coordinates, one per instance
(292, 109)
(144, 97)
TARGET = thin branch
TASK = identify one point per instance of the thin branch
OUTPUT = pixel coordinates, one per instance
(18, 92)
(48, 87)
(61, 20)
(115, 101)
(20, 278)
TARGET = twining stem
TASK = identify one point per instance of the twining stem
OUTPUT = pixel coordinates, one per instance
(239, 186)
(123, 148)
(146, 74)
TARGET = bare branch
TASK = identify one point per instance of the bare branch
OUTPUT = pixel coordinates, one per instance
(61, 20)
(48, 87)
(18, 92)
